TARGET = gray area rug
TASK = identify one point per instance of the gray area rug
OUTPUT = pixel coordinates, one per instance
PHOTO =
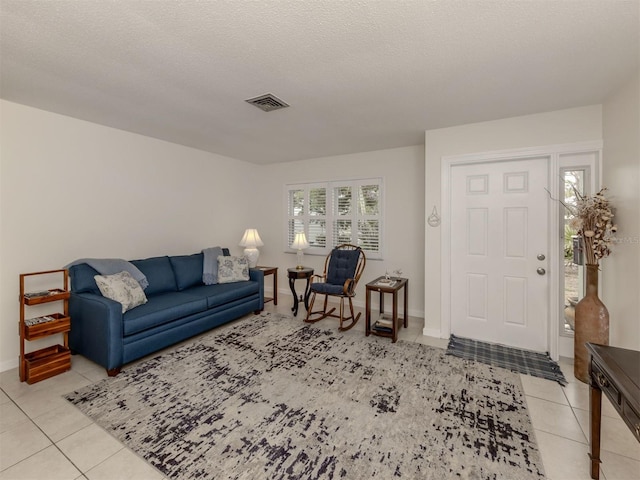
(270, 398)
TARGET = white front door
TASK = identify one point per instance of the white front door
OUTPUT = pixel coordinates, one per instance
(499, 251)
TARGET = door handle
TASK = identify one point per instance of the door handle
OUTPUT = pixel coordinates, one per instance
(541, 271)
(541, 256)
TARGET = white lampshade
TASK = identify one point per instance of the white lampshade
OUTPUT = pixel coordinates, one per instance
(250, 240)
(300, 243)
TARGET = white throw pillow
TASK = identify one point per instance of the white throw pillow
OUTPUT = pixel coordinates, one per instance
(122, 288)
(232, 269)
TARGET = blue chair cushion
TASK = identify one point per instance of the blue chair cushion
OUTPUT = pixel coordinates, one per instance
(187, 269)
(159, 274)
(327, 288)
(342, 266)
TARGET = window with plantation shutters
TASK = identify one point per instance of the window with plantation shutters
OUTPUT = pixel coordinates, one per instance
(338, 212)
(369, 216)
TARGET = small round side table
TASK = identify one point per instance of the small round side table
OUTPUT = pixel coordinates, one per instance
(295, 274)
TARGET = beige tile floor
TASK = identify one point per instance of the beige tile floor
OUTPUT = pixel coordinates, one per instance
(43, 437)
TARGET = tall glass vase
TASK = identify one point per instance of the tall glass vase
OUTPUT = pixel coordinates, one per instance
(592, 324)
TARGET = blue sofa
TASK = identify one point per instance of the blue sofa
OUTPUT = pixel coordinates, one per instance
(179, 306)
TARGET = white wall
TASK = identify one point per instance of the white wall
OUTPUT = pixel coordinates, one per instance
(72, 189)
(621, 174)
(551, 128)
(402, 170)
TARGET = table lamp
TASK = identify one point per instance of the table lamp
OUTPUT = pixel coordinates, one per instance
(300, 243)
(250, 241)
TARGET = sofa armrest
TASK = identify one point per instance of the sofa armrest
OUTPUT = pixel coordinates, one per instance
(257, 275)
(96, 329)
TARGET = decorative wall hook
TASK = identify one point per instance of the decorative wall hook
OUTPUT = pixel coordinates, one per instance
(434, 219)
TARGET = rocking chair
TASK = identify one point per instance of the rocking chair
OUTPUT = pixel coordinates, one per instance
(342, 270)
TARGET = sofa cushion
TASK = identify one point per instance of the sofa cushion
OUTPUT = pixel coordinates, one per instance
(162, 309)
(187, 269)
(122, 288)
(82, 279)
(222, 293)
(159, 274)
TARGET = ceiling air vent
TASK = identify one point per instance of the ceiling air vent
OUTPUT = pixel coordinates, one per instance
(267, 102)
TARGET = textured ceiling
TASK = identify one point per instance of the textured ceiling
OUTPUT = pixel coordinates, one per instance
(359, 75)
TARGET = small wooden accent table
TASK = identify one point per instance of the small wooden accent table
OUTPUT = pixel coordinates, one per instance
(616, 372)
(294, 274)
(271, 271)
(393, 289)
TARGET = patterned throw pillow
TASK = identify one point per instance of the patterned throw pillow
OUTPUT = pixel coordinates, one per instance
(232, 269)
(122, 288)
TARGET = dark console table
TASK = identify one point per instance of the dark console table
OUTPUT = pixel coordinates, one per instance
(616, 372)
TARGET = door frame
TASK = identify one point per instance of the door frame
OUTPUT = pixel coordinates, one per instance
(552, 154)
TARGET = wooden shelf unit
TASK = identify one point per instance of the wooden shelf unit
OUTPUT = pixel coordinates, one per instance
(49, 361)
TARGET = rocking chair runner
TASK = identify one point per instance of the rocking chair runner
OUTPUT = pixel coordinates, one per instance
(342, 270)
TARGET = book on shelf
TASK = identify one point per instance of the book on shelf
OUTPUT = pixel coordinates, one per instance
(385, 322)
(37, 320)
(383, 325)
(377, 328)
(42, 293)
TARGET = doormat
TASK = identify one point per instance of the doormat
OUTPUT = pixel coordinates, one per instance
(522, 361)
